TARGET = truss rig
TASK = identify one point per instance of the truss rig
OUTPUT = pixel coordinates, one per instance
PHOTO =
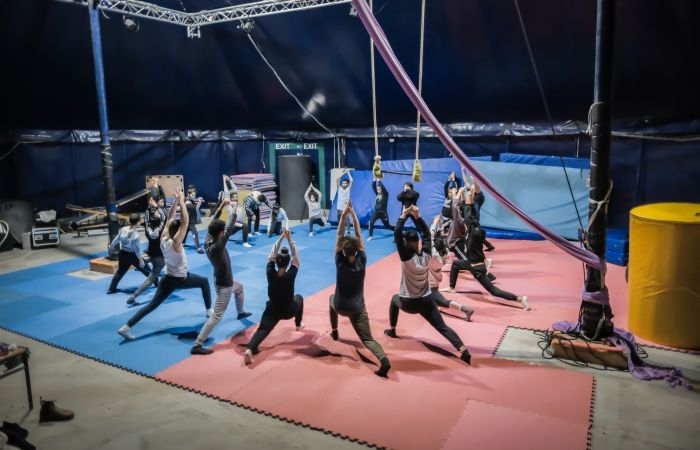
(193, 21)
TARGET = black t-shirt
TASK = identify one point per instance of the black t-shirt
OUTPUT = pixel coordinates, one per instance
(380, 202)
(350, 283)
(220, 259)
(191, 209)
(408, 198)
(475, 245)
(447, 208)
(280, 290)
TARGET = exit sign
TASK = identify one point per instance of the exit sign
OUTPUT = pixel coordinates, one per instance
(296, 146)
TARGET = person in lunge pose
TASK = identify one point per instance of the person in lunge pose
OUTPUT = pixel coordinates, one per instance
(155, 190)
(380, 207)
(155, 222)
(470, 257)
(439, 256)
(191, 205)
(129, 243)
(312, 197)
(349, 297)
(224, 284)
(232, 194)
(282, 268)
(415, 296)
(176, 275)
(343, 192)
(477, 203)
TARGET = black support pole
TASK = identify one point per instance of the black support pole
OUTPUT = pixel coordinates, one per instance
(595, 316)
(105, 146)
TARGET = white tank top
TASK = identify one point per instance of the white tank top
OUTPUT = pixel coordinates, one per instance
(175, 262)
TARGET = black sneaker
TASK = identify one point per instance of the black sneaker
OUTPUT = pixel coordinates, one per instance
(243, 315)
(384, 367)
(390, 332)
(199, 350)
(466, 357)
(16, 429)
(131, 301)
(334, 335)
(112, 291)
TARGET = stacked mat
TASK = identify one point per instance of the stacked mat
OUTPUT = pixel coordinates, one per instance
(617, 246)
(263, 182)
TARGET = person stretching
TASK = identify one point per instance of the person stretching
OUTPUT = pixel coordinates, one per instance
(278, 221)
(439, 254)
(471, 258)
(224, 284)
(282, 268)
(191, 205)
(312, 197)
(344, 187)
(380, 207)
(232, 195)
(415, 296)
(176, 270)
(155, 222)
(129, 244)
(408, 197)
(252, 204)
(349, 297)
(477, 203)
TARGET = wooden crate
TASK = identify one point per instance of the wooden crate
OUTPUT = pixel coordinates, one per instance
(103, 265)
(593, 352)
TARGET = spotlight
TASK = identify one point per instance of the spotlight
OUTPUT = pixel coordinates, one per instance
(247, 26)
(130, 24)
(353, 11)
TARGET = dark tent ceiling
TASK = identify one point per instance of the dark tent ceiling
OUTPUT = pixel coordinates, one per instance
(476, 68)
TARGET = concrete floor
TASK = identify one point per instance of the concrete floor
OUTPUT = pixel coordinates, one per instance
(119, 410)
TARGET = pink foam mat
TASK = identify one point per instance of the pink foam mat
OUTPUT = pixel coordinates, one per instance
(431, 399)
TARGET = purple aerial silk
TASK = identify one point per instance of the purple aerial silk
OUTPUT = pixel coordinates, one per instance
(385, 50)
(639, 368)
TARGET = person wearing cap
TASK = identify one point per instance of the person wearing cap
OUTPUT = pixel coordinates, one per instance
(349, 297)
(415, 296)
(283, 304)
(278, 221)
(129, 243)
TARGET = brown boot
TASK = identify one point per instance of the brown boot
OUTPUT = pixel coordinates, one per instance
(52, 413)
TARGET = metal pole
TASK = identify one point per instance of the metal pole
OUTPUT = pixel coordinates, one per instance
(600, 137)
(596, 314)
(105, 146)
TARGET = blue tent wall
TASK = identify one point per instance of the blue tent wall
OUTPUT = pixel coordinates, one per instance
(51, 175)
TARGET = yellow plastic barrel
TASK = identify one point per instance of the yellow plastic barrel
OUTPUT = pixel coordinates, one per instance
(664, 274)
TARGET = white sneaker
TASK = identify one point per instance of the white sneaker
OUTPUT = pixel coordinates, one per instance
(311, 233)
(125, 332)
(369, 238)
(209, 312)
(247, 245)
(524, 302)
(301, 327)
(447, 289)
(488, 262)
(256, 233)
(248, 357)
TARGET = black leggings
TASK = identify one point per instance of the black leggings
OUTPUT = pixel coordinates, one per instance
(315, 221)
(384, 217)
(360, 323)
(272, 315)
(243, 228)
(480, 274)
(126, 260)
(166, 286)
(425, 306)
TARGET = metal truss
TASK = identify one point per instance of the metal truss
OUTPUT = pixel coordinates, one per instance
(194, 20)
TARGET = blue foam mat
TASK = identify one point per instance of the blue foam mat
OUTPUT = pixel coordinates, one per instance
(77, 314)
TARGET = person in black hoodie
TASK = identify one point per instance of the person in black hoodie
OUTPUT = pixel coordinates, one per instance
(409, 197)
(282, 268)
(380, 207)
(224, 284)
